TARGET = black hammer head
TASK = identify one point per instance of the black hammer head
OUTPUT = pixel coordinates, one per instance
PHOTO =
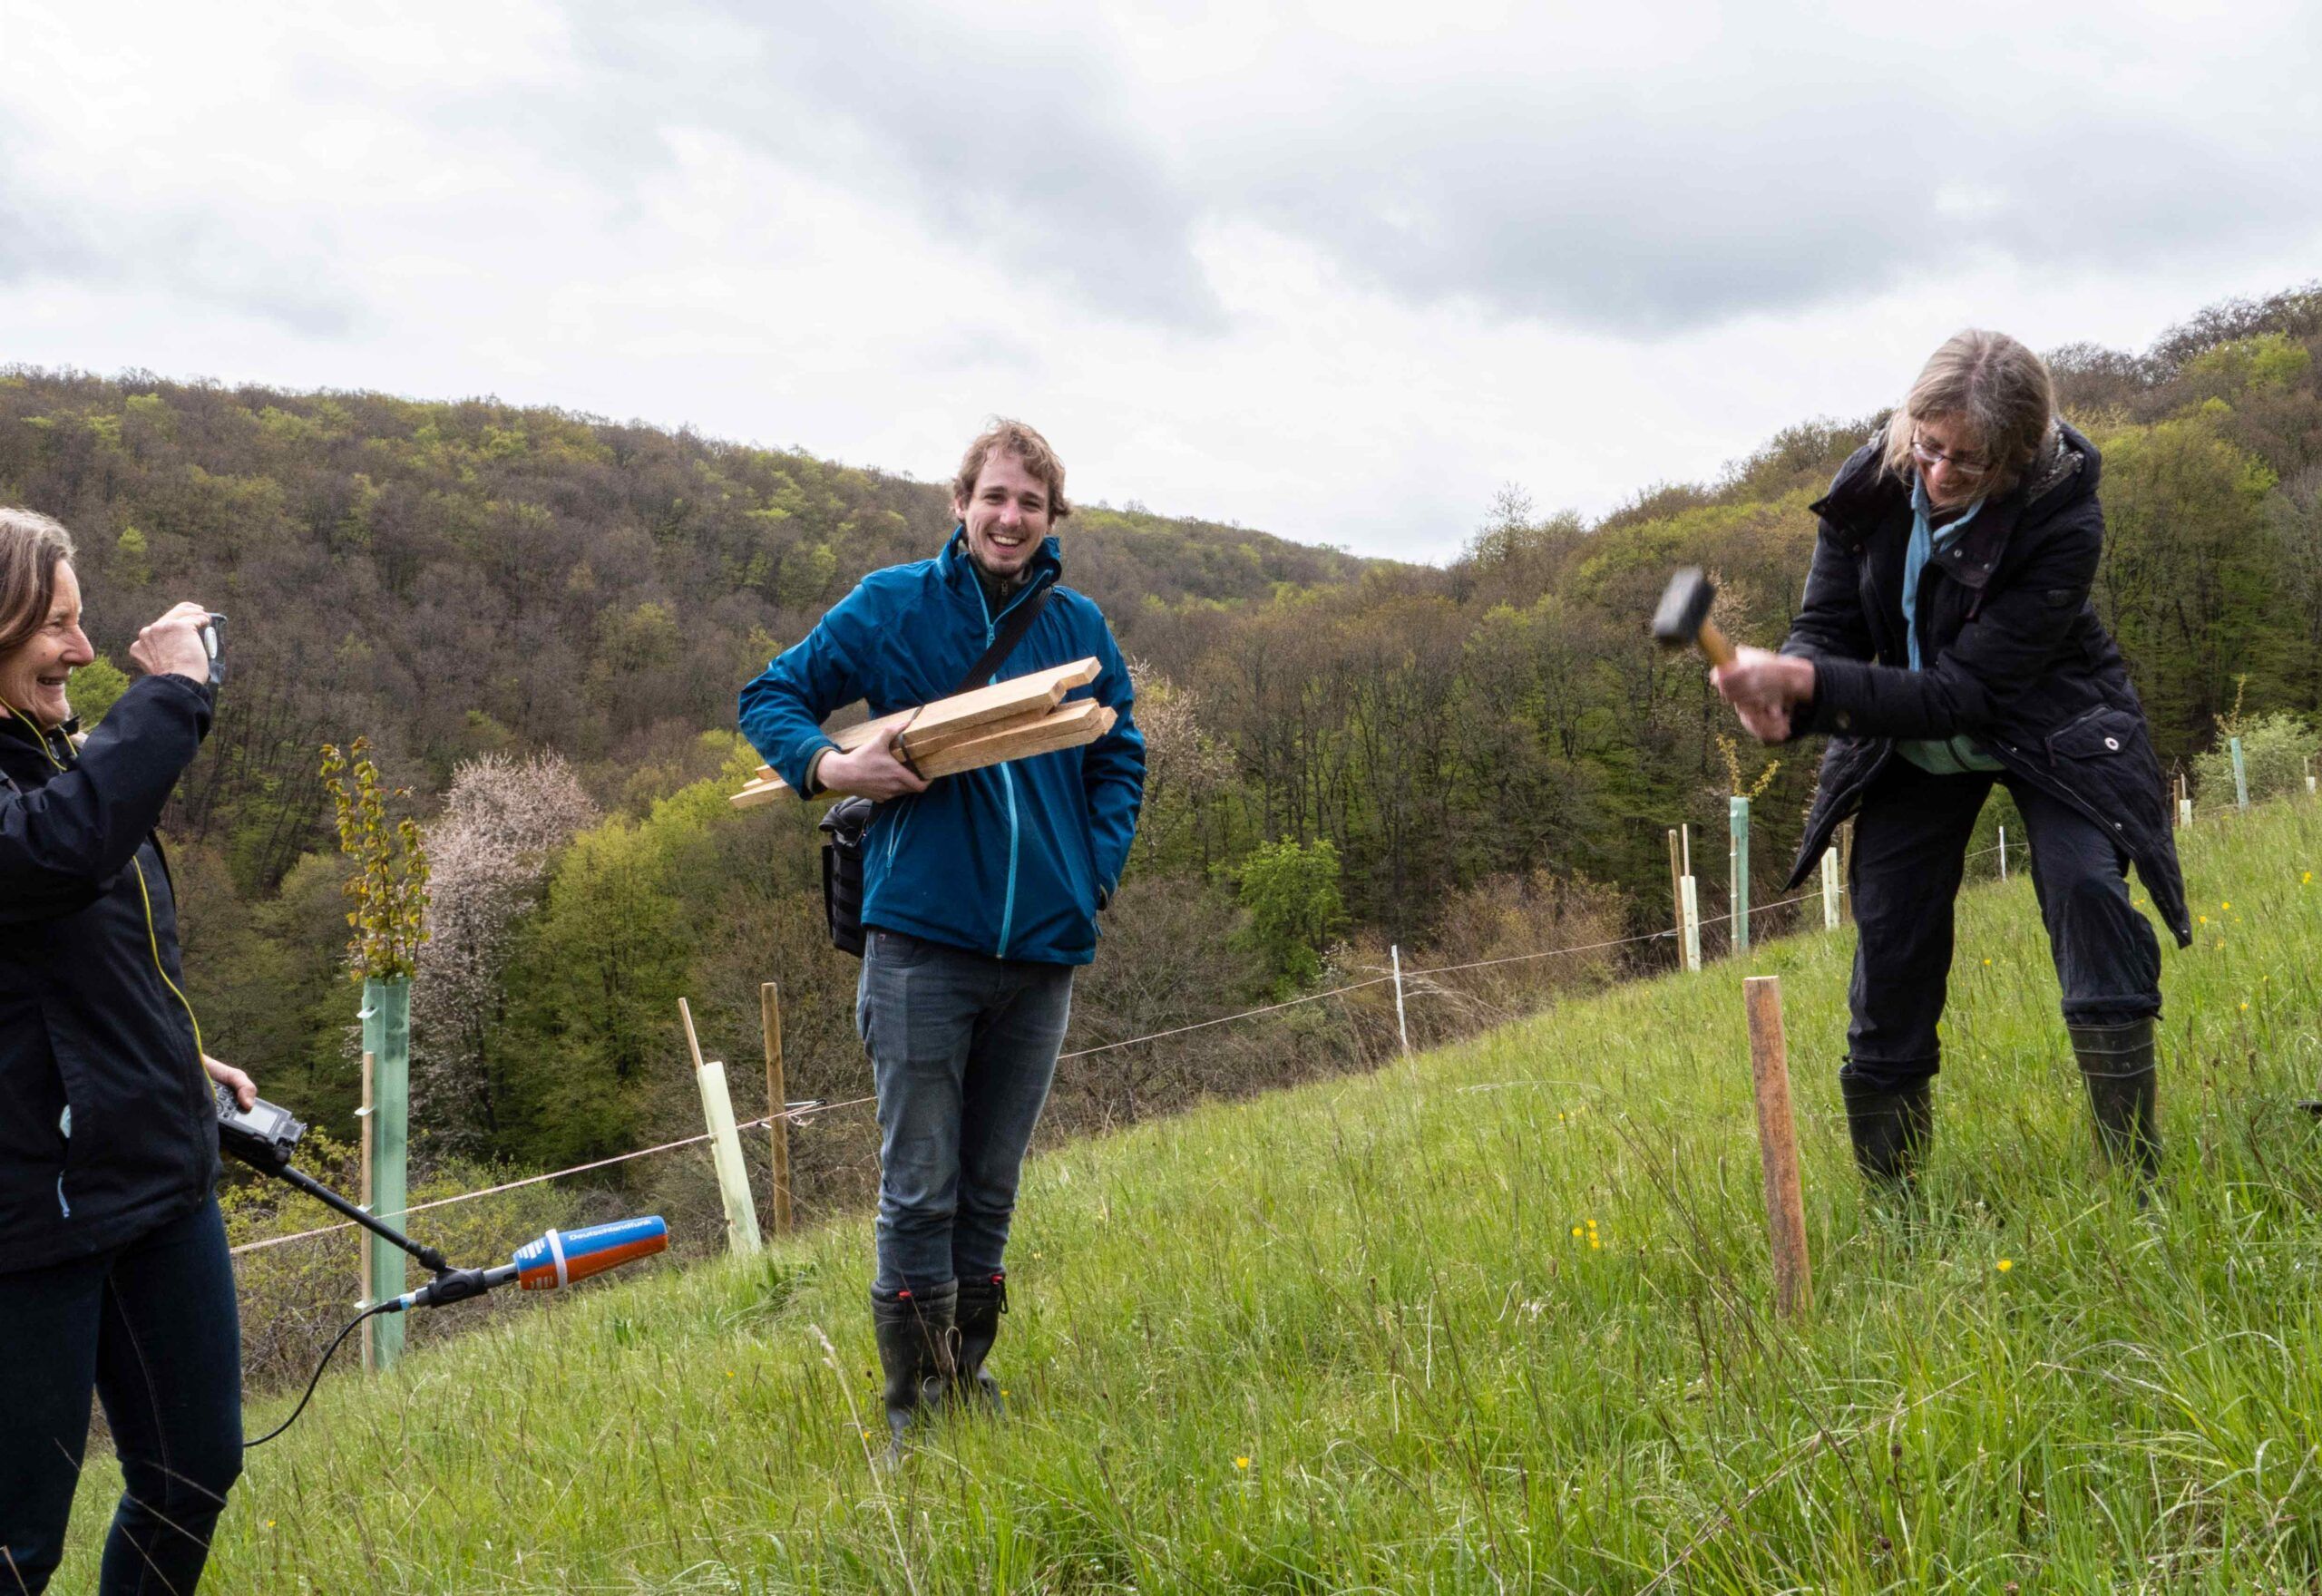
(1684, 606)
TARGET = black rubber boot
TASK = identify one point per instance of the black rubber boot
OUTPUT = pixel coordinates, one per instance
(916, 1333)
(1890, 1131)
(2118, 1064)
(982, 1303)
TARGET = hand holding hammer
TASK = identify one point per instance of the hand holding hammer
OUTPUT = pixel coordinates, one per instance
(1763, 688)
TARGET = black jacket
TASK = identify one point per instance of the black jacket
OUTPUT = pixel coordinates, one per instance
(89, 1017)
(2013, 656)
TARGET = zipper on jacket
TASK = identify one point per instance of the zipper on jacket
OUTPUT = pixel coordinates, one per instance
(1008, 905)
(153, 932)
(990, 621)
(153, 942)
(1006, 777)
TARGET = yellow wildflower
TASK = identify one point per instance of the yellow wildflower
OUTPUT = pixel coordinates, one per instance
(1575, 1233)
(1242, 1463)
(2006, 1264)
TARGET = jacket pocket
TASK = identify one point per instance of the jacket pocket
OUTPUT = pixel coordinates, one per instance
(33, 1100)
(2102, 735)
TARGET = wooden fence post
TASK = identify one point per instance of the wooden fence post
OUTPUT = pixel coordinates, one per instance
(1692, 909)
(777, 1107)
(724, 1144)
(1737, 854)
(1829, 889)
(1395, 952)
(1777, 1147)
(1677, 895)
(2003, 853)
(2240, 781)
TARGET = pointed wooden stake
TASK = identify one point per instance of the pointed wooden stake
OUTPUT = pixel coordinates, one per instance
(1777, 1147)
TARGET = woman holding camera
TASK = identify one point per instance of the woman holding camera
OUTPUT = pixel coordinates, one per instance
(114, 1276)
(1946, 642)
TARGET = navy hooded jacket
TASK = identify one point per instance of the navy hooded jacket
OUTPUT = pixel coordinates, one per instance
(2016, 656)
(92, 1015)
(1012, 860)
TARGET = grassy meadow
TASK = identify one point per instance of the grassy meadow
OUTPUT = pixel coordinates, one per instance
(1495, 1320)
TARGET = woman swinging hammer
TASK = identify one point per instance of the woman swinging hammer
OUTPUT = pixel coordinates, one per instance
(1946, 642)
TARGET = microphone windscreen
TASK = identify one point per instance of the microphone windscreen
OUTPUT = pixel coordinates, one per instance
(560, 1257)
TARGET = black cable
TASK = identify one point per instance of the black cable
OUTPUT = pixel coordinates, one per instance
(389, 1305)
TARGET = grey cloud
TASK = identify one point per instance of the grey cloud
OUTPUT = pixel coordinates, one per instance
(201, 255)
(1566, 171)
(1646, 214)
(1582, 180)
(1620, 187)
(1024, 146)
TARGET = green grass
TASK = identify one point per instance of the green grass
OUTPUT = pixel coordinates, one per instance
(1496, 1321)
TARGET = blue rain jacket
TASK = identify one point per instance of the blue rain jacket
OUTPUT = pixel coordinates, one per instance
(1013, 859)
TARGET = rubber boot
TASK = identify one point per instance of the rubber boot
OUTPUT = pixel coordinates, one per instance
(1890, 1131)
(982, 1303)
(916, 1333)
(2118, 1064)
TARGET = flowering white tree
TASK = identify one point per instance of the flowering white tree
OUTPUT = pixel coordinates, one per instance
(1184, 765)
(489, 853)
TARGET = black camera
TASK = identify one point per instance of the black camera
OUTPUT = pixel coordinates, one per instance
(266, 1135)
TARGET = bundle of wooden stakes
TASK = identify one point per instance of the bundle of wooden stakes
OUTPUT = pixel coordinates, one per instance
(1008, 720)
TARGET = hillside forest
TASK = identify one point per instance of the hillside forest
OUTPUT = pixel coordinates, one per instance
(540, 621)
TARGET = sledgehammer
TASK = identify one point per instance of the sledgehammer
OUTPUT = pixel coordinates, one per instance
(1684, 616)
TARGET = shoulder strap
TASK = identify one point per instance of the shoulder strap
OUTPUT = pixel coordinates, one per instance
(1004, 642)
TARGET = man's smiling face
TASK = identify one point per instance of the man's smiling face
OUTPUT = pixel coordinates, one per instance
(1007, 516)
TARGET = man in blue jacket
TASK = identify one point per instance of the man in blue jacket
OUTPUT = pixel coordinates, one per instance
(981, 892)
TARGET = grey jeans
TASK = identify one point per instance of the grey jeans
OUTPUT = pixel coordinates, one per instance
(962, 1051)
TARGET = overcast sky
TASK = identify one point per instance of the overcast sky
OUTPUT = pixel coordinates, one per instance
(1338, 270)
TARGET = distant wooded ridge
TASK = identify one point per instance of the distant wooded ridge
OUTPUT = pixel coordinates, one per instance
(1345, 750)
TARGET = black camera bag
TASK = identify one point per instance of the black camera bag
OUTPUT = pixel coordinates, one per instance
(847, 821)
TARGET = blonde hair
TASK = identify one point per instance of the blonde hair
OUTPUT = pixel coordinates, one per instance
(1012, 437)
(32, 546)
(1998, 389)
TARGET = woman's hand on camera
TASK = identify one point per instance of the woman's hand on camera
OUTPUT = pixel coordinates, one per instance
(172, 645)
(245, 1089)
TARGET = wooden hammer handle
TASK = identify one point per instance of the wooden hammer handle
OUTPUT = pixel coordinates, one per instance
(1715, 644)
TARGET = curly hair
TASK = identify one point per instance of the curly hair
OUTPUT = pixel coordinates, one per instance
(1003, 435)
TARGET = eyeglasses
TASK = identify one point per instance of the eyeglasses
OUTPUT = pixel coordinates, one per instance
(1961, 465)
